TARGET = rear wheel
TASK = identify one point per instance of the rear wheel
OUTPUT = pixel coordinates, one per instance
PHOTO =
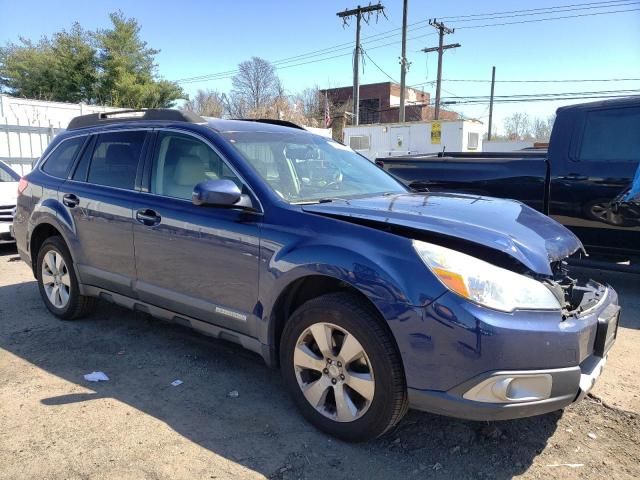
(342, 368)
(58, 283)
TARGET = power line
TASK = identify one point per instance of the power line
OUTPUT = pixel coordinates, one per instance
(497, 17)
(233, 72)
(586, 6)
(527, 100)
(519, 98)
(581, 80)
(532, 95)
(279, 64)
(576, 80)
(548, 19)
(378, 67)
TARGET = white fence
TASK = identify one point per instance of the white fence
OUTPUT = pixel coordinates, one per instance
(22, 145)
(27, 126)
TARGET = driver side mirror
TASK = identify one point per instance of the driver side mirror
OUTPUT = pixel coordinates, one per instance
(220, 193)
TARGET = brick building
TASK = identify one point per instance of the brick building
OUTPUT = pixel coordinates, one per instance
(380, 103)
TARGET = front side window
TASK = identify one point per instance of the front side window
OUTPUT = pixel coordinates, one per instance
(181, 161)
(8, 175)
(305, 168)
(114, 162)
(60, 160)
(611, 135)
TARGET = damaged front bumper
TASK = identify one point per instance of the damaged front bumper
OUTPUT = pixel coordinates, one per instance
(519, 364)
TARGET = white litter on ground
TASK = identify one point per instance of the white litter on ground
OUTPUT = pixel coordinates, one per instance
(96, 377)
(175, 383)
(233, 394)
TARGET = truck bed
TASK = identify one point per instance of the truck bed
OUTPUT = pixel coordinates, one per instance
(519, 175)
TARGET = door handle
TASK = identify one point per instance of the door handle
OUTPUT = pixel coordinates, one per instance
(148, 217)
(70, 200)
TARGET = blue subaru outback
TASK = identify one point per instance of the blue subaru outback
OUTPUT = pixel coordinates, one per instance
(370, 298)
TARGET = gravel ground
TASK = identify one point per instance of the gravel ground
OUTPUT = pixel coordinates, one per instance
(55, 425)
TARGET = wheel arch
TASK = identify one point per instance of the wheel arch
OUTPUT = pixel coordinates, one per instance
(303, 289)
(46, 228)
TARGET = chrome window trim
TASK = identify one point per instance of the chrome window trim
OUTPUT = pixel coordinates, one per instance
(148, 129)
(43, 160)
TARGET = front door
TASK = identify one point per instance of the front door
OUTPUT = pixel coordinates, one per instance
(198, 261)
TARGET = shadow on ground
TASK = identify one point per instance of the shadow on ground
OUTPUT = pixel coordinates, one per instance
(259, 429)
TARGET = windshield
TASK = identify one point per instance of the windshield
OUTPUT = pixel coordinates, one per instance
(8, 175)
(305, 168)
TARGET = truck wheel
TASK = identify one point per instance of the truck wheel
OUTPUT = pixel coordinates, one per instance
(58, 283)
(342, 368)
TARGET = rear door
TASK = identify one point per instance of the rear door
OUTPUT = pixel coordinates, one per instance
(200, 261)
(100, 196)
(587, 191)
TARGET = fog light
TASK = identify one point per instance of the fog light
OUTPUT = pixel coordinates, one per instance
(512, 388)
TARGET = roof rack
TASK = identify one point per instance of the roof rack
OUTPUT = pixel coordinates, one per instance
(272, 121)
(102, 118)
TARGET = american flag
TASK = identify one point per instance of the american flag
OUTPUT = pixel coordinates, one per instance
(327, 116)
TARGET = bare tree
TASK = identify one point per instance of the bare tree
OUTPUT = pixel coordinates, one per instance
(541, 128)
(254, 88)
(517, 126)
(209, 103)
(311, 103)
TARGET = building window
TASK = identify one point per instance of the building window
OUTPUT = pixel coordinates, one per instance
(359, 142)
(472, 143)
(370, 110)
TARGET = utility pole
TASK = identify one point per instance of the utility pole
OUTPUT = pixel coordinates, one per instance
(442, 31)
(404, 64)
(493, 82)
(361, 13)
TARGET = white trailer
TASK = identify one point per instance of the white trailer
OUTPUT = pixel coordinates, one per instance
(392, 139)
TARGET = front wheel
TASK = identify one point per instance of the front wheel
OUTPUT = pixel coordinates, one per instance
(342, 368)
(58, 283)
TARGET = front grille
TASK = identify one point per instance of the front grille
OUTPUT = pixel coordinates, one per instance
(6, 213)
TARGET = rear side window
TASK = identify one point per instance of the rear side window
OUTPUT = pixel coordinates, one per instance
(611, 136)
(115, 157)
(61, 159)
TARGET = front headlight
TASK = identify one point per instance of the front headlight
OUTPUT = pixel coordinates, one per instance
(484, 283)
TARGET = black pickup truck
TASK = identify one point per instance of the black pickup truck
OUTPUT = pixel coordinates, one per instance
(583, 180)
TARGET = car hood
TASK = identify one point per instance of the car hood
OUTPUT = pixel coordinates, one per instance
(507, 226)
(8, 193)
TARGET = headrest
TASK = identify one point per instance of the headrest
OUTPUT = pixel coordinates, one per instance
(119, 154)
(189, 171)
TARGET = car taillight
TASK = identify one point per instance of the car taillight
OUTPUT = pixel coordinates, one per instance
(22, 185)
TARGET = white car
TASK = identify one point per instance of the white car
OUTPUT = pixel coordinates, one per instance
(9, 180)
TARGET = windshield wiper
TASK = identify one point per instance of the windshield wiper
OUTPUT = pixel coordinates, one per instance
(321, 200)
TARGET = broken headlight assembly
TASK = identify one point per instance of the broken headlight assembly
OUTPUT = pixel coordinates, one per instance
(484, 283)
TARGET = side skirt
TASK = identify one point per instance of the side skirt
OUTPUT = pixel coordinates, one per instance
(208, 329)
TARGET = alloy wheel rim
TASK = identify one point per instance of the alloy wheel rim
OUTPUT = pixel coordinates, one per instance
(56, 279)
(334, 372)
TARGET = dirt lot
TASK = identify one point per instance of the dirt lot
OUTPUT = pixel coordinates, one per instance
(54, 424)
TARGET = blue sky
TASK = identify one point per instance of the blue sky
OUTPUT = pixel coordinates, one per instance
(204, 37)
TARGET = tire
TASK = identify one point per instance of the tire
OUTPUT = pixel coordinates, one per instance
(377, 371)
(68, 304)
